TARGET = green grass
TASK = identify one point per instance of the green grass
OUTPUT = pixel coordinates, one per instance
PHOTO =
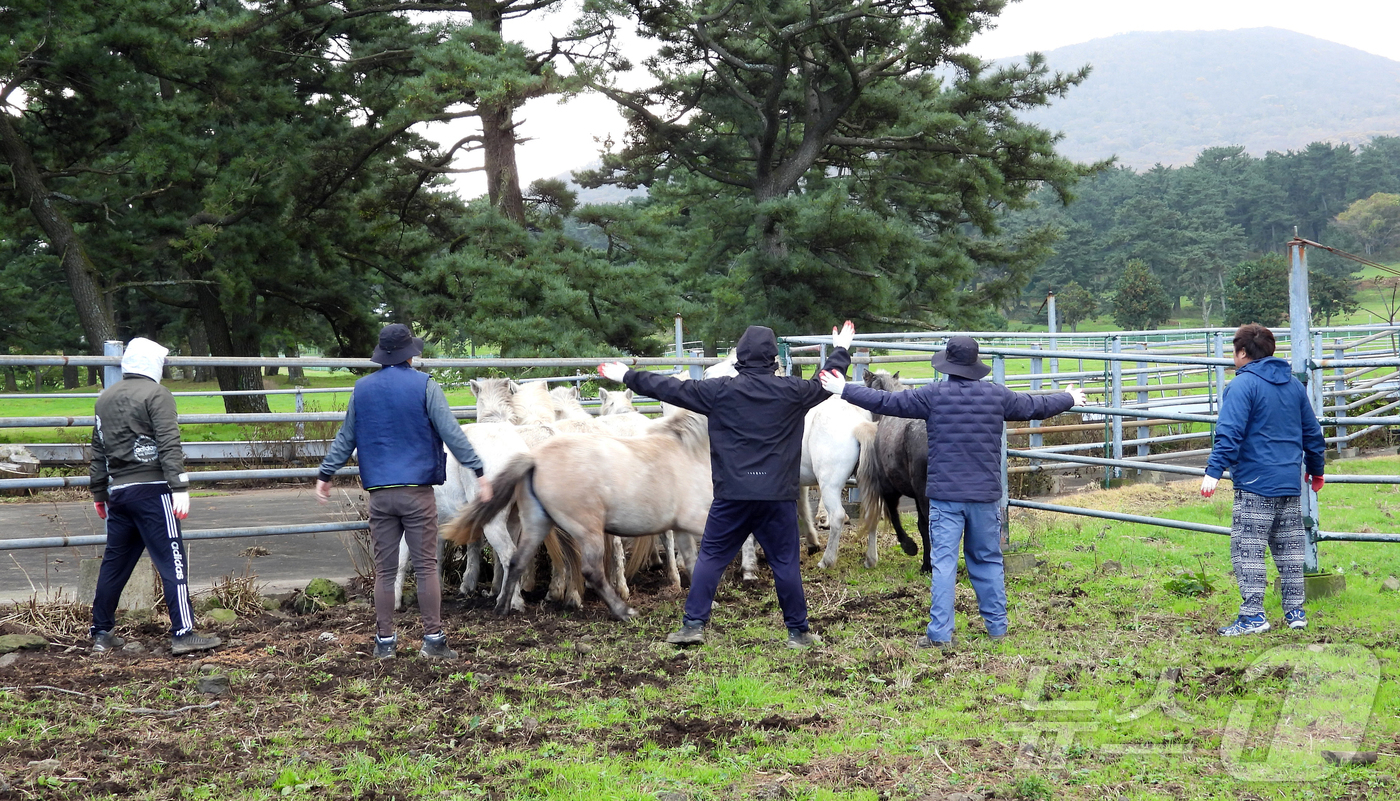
(866, 717)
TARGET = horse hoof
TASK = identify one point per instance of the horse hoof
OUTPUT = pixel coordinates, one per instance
(811, 549)
(870, 563)
(825, 564)
(909, 548)
(925, 568)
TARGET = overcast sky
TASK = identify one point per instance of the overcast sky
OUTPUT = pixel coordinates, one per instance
(563, 136)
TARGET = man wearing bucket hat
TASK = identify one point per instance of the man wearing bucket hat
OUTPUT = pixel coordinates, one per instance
(965, 416)
(140, 488)
(399, 421)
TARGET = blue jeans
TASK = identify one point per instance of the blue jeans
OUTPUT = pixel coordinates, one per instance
(978, 527)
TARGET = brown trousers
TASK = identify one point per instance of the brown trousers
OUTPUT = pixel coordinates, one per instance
(408, 513)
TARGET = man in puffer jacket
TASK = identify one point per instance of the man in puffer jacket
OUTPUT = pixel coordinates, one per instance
(965, 416)
(755, 422)
(139, 487)
(1266, 430)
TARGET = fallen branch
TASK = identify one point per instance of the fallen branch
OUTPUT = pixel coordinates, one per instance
(44, 687)
(141, 710)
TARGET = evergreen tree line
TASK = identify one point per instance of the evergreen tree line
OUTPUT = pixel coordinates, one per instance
(1213, 233)
(251, 178)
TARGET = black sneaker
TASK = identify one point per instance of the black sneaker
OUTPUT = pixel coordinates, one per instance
(384, 646)
(801, 640)
(106, 641)
(946, 646)
(690, 634)
(435, 647)
(189, 643)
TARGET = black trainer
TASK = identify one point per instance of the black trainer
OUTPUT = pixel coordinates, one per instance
(384, 646)
(189, 643)
(106, 641)
(942, 645)
(435, 647)
(690, 634)
(800, 640)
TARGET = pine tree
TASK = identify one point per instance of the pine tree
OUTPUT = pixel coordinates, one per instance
(1139, 302)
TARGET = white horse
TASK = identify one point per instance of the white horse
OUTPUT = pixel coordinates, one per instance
(650, 484)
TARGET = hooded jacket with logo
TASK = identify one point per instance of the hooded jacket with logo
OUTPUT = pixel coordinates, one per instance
(136, 438)
(1266, 428)
(755, 418)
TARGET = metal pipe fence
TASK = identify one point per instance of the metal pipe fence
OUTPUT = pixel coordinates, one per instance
(1169, 357)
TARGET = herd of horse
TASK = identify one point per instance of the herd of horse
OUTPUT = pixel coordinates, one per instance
(609, 495)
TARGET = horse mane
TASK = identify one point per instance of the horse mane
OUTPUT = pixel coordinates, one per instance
(691, 430)
(532, 403)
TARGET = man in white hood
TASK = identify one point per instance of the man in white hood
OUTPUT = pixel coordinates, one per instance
(140, 488)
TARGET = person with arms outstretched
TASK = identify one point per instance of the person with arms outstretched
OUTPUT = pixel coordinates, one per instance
(755, 422)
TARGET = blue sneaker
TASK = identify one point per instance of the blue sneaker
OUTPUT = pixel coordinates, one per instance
(1246, 624)
(1296, 618)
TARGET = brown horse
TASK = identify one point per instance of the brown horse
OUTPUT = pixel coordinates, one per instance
(590, 486)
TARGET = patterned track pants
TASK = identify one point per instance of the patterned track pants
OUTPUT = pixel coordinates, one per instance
(1276, 524)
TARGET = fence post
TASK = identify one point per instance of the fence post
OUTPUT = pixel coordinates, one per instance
(1299, 346)
(1219, 352)
(1003, 510)
(680, 336)
(113, 373)
(300, 426)
(1054, 327)
(1340, 386)
(859, 369)
(1143, 432)
(1116, 376)
(696, 371)
(1036, 440)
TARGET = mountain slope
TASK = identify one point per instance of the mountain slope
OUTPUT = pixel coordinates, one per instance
(1163, 97)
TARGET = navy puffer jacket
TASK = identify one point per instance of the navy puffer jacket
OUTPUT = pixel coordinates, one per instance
(1266, 429)
(965, 420)
(756, 417)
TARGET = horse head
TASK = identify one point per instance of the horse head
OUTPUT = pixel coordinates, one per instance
(615, 402)
(879, 379)
(493, 400)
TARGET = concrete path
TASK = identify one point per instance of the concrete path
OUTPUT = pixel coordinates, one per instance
(291, 559)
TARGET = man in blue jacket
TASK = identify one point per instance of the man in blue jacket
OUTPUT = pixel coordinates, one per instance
(755, 422)
(965, 416)
(398, 419)
(1266, 430)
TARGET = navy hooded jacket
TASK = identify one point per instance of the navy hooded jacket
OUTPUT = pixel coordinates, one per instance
(1266, 428)
(756, 417)
(965, 420)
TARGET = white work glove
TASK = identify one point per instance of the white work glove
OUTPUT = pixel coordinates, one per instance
(1078, 394)
(613, 371)
(181, 503)
(323, 491)
(833, 382)
(843, 338)
(1208, 486)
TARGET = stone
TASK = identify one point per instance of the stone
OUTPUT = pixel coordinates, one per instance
(213, 685)
(1323, 585)
(1350, 757)
(1017, 562)
(963, 797)
(224, 616)
(1112, 567)
(44, 767)
(328, 592)
(208, 668)
(1391, 584)
(141, 592)
(327, 636)
(134, 647)
(8, 659)
(583, 648)
(21, 642)
(672, 797)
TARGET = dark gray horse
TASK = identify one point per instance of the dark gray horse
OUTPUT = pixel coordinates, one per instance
(896, 467)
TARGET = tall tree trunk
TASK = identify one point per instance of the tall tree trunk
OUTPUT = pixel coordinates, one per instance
(498, 150)
(11, 385)
(199, 346)
(295, 374)
(224, 341)
(70, 376)
(92, 376)
(94, 313)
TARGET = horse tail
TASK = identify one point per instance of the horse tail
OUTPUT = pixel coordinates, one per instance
(468, 525)
(868, 473)
(642, 549)
(564, 557)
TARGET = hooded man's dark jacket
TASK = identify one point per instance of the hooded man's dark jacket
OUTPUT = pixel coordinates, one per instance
(755, 417)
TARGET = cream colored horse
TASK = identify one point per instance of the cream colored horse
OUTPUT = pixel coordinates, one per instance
(590, 486)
